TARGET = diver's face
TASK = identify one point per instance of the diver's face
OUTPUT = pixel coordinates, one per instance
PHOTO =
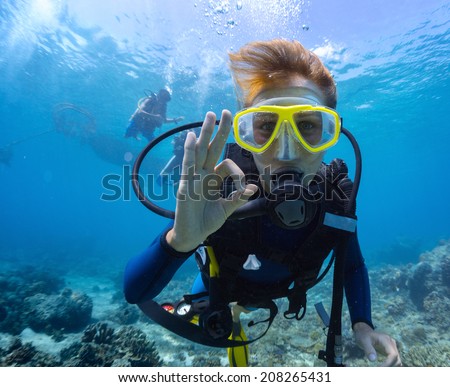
(285, 151)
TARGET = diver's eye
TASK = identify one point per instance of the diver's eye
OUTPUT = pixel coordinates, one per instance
(265, 122)
(308, 122)
(267, 126)
(306, 126)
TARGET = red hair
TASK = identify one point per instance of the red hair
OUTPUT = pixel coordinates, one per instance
(261, 65)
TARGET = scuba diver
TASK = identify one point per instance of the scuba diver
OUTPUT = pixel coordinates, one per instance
(149, 115)
(263, 221)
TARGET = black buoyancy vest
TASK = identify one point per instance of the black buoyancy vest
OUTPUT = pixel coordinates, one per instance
(237, 239)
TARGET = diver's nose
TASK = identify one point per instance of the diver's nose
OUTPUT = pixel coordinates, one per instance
(287, 143)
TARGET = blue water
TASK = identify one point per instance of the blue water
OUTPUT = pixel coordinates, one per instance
(390, 61)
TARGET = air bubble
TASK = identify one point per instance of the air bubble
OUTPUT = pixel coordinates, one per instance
(128, 156)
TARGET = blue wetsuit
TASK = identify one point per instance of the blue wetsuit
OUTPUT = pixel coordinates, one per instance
(148, 273)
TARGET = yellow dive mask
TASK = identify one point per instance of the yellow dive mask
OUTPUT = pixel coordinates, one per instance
(316, 127)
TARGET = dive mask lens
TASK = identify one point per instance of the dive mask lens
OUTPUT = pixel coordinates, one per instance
(317, 128)
(254, 130)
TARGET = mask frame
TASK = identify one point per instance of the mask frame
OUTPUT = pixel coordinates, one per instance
(284, 114)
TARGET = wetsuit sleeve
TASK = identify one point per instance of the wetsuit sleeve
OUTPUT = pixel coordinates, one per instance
(356, 283)
(149, 272)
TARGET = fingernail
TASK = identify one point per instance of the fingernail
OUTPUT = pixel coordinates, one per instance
(372, 357)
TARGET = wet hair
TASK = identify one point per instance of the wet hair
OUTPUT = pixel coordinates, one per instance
(266, 64)
(164, 94)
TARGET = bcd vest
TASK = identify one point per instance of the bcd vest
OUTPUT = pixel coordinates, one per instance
(237, 239)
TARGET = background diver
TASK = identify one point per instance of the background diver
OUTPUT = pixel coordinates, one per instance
(151, 113)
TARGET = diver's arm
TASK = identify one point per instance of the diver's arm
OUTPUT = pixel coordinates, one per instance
(148, 273)
(174, 120)
(356, 283)
(357, 291)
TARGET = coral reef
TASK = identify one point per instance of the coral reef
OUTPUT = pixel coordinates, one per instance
(206, 360)
(427, 356)
(98, 333)
(125, 314)
(15, 287)
(424, 284)
(103, 346)
(134, 345)
(20, 354)
(431, 274)
(394, 278)
(69, 311)
(437, 310)
(445, 273)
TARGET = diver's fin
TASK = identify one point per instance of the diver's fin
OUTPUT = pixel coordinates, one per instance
(238, 356)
